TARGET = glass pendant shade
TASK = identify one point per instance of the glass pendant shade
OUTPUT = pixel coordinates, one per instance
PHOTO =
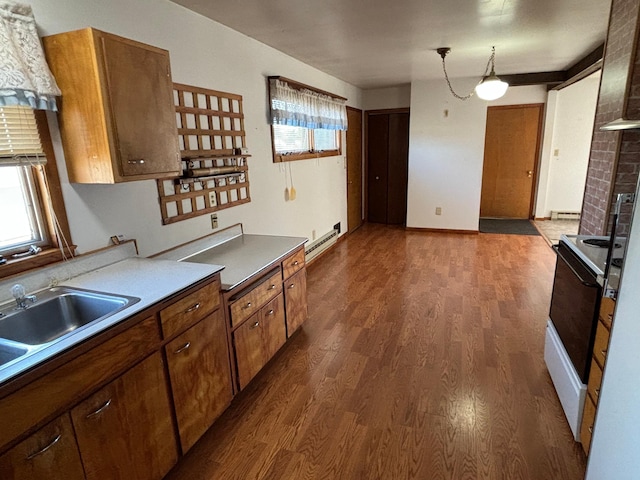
(491, 87)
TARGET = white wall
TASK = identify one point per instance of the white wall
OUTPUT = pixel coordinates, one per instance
(565, 153)
(446, 152)
(386, 98)
(615, 447)
(206, 54)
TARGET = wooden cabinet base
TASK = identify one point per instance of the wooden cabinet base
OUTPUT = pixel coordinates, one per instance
(124, 431)
(49, 453)
(198, 363)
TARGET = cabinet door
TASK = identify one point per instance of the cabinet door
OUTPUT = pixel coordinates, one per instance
(142, 111)
(124, 431)
(50, 453)
(200, 377)
(295, 290)
(258, 339)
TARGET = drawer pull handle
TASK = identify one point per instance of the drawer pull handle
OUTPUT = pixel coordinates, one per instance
(610, 316)
(292, 285)
(254, 325)
(138, 161)
(272, 287)
(41, 451)
(248, 305)
(603, 352)
(597, 392)
(183, 348)
(591, 429)
(191, 309)
(296, 263)
(270, 312)
(100, 410)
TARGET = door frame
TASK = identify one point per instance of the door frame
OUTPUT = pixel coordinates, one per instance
(362, 189)
(367, 113)
(538, 151)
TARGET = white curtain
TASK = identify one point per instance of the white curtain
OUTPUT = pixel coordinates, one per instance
(305, 108)
(25, 78)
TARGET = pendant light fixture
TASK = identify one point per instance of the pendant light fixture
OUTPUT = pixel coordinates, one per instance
(490, 87)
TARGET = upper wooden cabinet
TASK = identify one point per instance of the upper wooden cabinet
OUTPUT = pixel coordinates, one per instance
(117, 118)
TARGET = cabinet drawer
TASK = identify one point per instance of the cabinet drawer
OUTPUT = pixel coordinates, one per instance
(292, 264)
(72, 381)
(49, 453)
(249, 303)
(595, 381)
(601, 344)
(186, 312)
(606, 311)
(586, 428)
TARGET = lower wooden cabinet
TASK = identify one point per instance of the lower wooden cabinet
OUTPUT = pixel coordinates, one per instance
(258, 339)
(588, 420)
(124, 430)
(198, 362)
(50, 453)
(295, 291)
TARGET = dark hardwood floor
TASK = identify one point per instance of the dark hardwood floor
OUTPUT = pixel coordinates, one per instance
(422, 358)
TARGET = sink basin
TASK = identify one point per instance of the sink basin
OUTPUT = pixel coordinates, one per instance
(10, 352)
(56, 312)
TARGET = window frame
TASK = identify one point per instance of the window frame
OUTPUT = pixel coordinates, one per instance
(51, 245)
(279, 157)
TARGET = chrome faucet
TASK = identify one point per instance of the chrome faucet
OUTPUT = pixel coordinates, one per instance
(19, 293)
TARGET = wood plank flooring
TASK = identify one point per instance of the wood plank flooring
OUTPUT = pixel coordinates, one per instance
(422, 358)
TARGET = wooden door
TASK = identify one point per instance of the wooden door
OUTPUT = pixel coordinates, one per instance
(398, 168)
(387, 166)
(354, 169)
(200, 373)
(377, 163)
(511, 152)
(141, 99)
(125, 431)
(49, 453)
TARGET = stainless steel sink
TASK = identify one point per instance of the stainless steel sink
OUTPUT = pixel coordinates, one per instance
(57, 312)
(10, 352)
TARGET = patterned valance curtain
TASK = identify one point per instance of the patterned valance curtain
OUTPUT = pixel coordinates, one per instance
(25, 78)
(305, 108)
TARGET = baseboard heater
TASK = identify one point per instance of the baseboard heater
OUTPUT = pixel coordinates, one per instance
(319, 245)
(561, 215)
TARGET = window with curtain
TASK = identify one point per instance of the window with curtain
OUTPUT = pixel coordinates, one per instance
(34, 228)
(305, 123)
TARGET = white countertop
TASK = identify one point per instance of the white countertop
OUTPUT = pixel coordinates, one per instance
(150, 280)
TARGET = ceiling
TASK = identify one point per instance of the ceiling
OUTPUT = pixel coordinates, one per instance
(380, 43)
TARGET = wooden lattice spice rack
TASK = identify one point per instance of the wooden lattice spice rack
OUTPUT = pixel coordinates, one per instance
(214, 154)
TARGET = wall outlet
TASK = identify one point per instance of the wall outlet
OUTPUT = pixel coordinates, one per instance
(212, 199)
(337, 227)
(214, 220)
(438, 210)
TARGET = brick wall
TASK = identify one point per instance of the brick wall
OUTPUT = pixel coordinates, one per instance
(614, 159)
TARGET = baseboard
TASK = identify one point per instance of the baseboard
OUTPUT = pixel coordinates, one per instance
(441, 230)
(320, 255)
(541, 219)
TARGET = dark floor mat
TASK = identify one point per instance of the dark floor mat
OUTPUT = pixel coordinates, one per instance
(507, 226)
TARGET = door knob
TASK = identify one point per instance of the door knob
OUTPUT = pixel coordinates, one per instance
(377, 178)
(530, 173)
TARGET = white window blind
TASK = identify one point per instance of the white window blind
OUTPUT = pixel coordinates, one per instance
(291, 139)
(19, 138)
(325, 140)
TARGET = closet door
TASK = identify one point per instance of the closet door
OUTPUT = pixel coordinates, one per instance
(377, 158)
(387, 161)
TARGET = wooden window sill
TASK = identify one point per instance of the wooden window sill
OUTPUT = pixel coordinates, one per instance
(21, 265)
(292, 157)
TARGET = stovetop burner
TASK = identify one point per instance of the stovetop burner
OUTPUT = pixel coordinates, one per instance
(599, 242)
(616, 262)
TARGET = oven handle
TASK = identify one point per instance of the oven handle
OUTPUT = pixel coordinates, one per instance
(582, 280)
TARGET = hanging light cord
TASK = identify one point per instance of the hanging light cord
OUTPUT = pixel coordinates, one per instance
(490, 63)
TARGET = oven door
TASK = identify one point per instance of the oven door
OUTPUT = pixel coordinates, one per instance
(575, 302)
